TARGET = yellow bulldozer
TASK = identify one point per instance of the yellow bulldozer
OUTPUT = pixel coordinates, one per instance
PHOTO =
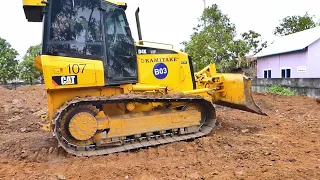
(107, 93)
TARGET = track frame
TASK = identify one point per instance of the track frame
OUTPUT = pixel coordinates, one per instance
(141, 142)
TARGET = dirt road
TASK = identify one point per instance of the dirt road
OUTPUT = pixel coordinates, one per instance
(284, 145)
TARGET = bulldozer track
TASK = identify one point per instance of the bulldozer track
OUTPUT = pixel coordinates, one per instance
(136, 143)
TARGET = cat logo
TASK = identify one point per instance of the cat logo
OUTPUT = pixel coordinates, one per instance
(64, 80)
(67, 80)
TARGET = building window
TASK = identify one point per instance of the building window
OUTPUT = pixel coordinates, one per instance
(267, 73)
(285, 73)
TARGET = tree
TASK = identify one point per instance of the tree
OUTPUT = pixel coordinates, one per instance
(293, 24)
(28, 72)
(8, 62)
(254, 41)
(214, 41)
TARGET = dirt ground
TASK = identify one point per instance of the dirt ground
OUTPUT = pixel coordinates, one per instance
(284, 145)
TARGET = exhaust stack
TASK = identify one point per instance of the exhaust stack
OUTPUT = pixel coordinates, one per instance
(138, 24)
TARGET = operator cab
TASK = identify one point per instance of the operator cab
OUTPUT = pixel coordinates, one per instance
(94, 29)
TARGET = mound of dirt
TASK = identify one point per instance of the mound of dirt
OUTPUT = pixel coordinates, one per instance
(28, 147)
(21, 108)
(283, 145)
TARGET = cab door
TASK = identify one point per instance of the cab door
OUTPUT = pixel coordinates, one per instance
(121, 64)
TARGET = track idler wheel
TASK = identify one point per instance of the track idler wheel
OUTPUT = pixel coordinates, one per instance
(83, 126)
(79, 125)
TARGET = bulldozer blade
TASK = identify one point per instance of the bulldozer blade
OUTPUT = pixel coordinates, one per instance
(238, 94)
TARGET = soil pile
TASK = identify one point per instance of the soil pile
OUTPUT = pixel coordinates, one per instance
(21, 108)
(283, 145)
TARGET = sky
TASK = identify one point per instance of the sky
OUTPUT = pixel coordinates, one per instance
(168, 21)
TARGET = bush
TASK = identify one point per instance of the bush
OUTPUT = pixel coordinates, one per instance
(277, 89)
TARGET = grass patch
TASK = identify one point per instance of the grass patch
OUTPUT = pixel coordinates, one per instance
(277, 89)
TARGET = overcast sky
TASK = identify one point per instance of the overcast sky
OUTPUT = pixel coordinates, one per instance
(168, 21)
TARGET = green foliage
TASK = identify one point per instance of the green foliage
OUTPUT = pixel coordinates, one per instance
(277, 89)
(213, 41)
(254, 41)
(8, 62)
(293, 24)
(28, 71)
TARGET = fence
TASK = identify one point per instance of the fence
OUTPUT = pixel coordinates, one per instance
(303, 86)
(13, 86)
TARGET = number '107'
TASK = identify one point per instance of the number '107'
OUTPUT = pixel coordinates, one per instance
(76, 68)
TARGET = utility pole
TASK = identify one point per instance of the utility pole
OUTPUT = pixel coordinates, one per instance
(204, 7)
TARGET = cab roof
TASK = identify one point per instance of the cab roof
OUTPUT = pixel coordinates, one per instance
(33, 8)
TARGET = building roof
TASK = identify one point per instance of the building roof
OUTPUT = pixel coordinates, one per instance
(293, 42)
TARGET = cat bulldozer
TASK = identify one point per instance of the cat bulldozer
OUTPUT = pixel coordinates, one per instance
(108, 93)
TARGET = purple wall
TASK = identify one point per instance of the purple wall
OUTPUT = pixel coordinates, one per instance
(314, 60)
(308, 60)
